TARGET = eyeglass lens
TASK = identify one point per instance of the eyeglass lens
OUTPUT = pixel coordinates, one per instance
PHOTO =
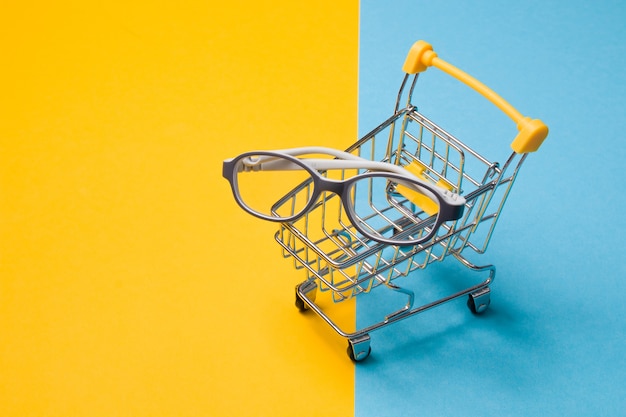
(392, 209)
(274, 192)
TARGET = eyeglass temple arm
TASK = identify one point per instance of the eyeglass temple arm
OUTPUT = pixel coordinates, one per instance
(306, 150)
(348, 161)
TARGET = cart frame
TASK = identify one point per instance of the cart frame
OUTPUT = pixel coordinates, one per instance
(338, 260)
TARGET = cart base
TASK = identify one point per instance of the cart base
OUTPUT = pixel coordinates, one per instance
(478, 300)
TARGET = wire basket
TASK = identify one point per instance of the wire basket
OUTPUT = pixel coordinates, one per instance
(340, 260)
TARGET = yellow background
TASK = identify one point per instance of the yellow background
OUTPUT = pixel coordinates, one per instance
(130, 282)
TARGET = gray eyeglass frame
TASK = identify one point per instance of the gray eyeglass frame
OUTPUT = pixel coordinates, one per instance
(451, 205)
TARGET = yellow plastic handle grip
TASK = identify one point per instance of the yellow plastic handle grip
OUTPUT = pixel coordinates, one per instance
(532, 132)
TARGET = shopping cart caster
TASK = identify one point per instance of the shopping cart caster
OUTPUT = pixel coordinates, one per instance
(359, 348)
(309, 288)
(479, 301)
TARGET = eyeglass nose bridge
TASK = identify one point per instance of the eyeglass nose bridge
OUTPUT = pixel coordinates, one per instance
(329, 185)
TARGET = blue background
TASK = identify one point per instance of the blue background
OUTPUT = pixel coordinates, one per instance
(552, 342)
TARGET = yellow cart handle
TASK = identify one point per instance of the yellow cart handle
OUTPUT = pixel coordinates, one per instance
(532, 132)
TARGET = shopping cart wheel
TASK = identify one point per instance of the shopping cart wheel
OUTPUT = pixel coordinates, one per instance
(309, 288)
(300, 304)
(478, 301)
(359, 348)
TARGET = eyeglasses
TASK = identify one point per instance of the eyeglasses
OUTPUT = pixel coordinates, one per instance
(384, 202)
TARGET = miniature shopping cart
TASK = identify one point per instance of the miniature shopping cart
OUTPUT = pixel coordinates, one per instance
(422, 195)
(340, 260)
